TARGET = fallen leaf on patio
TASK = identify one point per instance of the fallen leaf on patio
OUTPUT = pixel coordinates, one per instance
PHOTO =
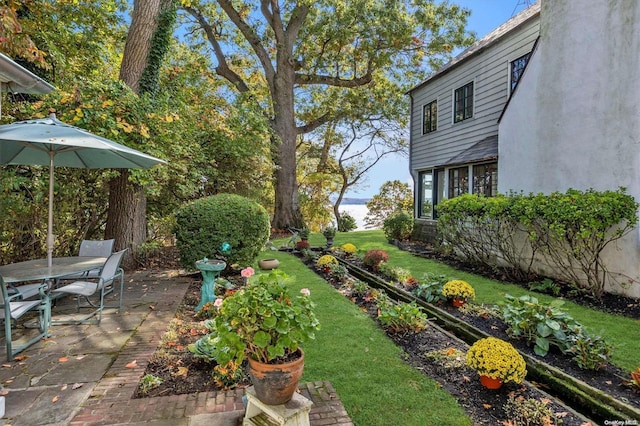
(79, 357)
(182, 372)
(608, 382)
(63, 359)
(76, 386)
(20, 357)
(4, 392)
(132, 364)
(466, 379)
(55, 399)
(487, 406)
(64, 387)
(152, 307)
(561, 414)
(7, 365)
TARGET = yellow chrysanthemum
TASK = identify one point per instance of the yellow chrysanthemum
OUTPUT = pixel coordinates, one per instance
(458, 289)
(326, 260)
(348, 248)
(497, 359)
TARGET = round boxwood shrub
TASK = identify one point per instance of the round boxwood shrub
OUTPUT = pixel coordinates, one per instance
(204, 225)
(398, 226)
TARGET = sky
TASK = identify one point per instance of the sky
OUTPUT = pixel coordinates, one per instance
(486, 15)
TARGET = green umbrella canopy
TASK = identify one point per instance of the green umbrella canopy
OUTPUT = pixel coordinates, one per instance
(51, 142)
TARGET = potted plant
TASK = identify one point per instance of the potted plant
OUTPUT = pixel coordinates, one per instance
(329, 233)
(265, 324)
(325, 261)
(458, 291)
(304, 234)
(496, 361)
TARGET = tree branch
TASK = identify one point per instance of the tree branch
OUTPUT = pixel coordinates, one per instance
(251, 37)
(222, 69)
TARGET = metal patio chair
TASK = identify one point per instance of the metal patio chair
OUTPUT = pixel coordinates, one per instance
(93, 248)
(13, 308)
(99, 288)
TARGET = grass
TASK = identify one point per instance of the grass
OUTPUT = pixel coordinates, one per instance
(366, 368)
(621, 332)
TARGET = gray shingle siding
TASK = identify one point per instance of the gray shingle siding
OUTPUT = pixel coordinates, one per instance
(487, 65)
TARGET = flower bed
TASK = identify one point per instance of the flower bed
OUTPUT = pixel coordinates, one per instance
(606, 384)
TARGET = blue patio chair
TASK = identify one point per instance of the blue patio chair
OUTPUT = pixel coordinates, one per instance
(84, 289)
(13, 308)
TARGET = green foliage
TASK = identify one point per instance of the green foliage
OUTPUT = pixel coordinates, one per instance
(568, 230)
(589, 352)
(346, 223)
(159, 46)
(547, 325)
(394, 196)
(263, 321)
(398, 226)
(149, 382)
(530, 412)
(395, 273)
(401, 317)
(373, 258)
(227, 376)
(204, 225)
(430, 287)
(545, 286)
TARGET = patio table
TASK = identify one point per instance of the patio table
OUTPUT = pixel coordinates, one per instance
(37, 270)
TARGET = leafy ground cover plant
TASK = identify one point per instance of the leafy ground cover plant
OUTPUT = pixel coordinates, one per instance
(430, 287)
(400, 317)
(530, 412)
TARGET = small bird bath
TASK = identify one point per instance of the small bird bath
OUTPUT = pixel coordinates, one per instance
(210, 270)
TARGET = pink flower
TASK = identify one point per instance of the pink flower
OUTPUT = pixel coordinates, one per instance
(247, 272)
(217, 303)
(305, 292)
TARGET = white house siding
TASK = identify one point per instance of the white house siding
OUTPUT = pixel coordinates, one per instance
(573, 121)
(489, 70)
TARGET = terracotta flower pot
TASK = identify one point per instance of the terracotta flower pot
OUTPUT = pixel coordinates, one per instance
(275, 384)
(457, 302)
(490, 383)
(268, 264)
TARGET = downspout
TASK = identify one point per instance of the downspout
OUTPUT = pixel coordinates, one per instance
(415, 189)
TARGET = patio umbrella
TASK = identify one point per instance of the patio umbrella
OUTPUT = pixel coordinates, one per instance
(50, 142)
(17, 79)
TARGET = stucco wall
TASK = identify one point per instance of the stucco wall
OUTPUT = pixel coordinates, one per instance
(574, 120)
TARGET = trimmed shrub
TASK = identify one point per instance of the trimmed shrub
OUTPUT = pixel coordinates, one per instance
(202, 227)
(346, 223)
(398, 226)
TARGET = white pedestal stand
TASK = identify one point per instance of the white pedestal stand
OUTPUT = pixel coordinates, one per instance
(293, 413)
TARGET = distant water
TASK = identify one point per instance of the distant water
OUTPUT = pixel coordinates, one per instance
(358, 211)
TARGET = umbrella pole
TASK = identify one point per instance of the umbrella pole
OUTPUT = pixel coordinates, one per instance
(50, 220)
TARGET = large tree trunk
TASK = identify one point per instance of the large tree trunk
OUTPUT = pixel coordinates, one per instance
(126, 219)
(287, 205)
